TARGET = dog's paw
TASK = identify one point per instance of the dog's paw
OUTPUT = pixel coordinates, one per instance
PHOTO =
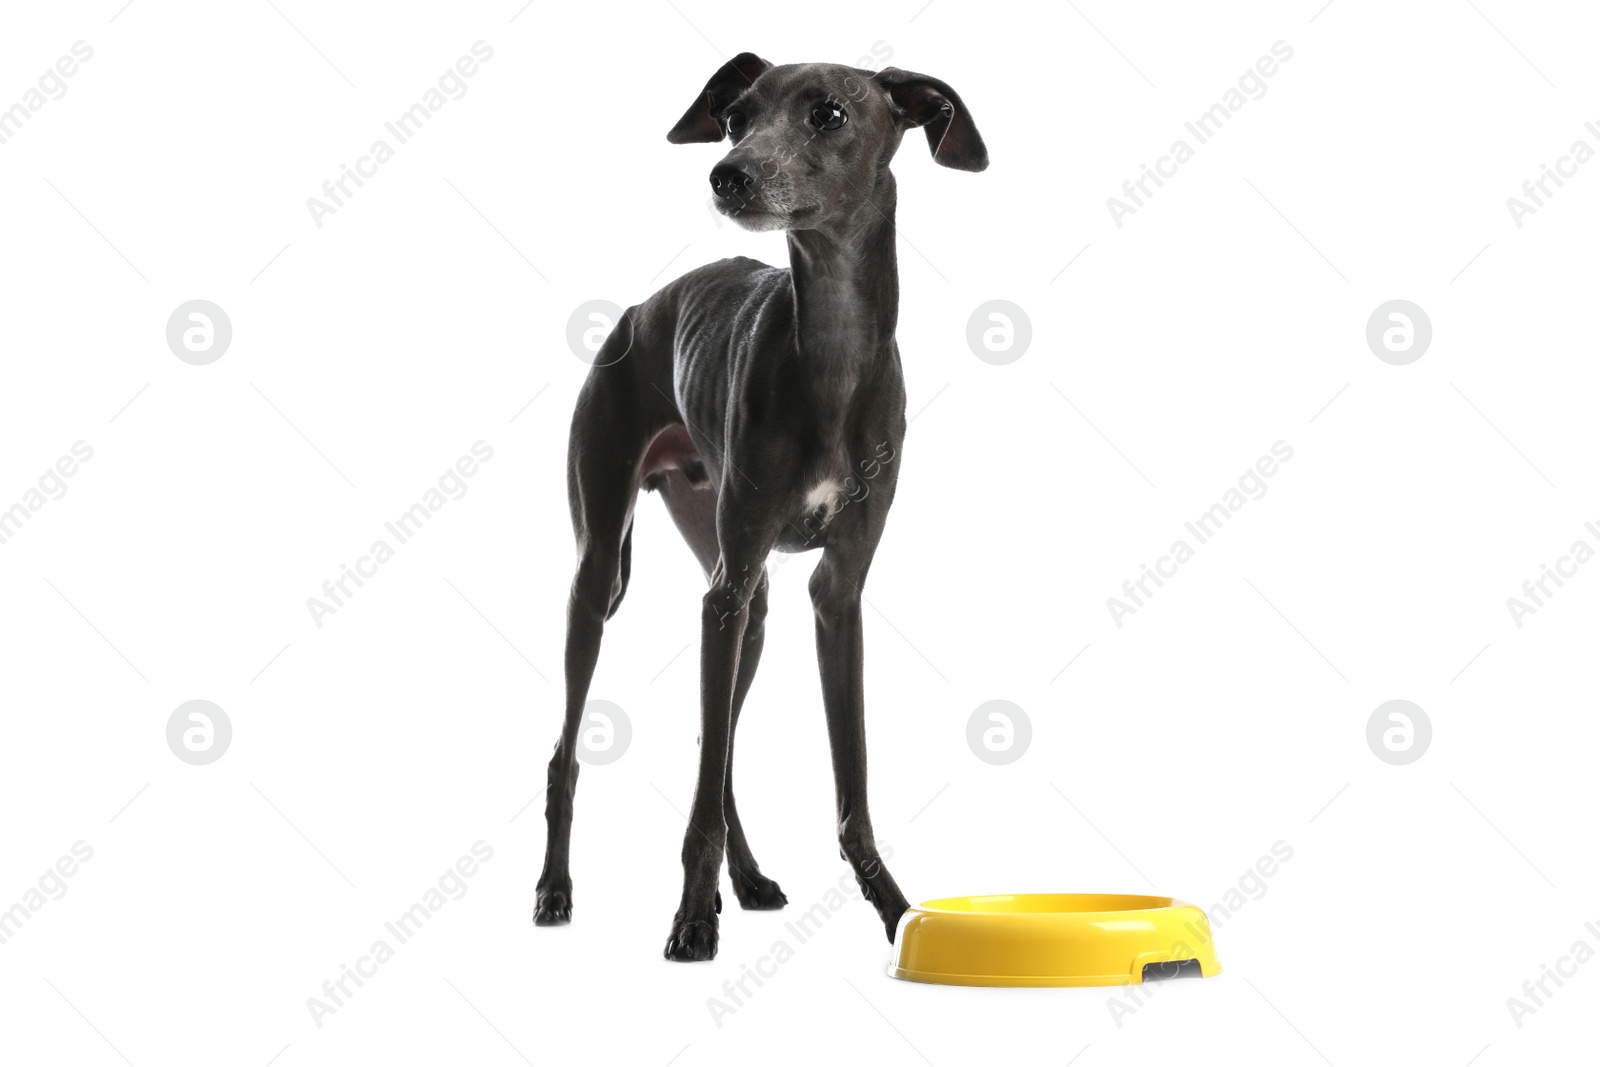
(692, 939)
(757, 892)
(552, 907)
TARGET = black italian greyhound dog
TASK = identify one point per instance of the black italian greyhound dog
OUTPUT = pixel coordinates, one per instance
(767, 407)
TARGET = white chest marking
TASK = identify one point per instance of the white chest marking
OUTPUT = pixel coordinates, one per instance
(822, 493)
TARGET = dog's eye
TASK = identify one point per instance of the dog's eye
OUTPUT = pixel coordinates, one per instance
(735, 123)
(829, 116)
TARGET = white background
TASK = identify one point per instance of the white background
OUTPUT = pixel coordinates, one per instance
(430, 313)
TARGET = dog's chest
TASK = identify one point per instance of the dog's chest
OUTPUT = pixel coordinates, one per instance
(822, 493)
(815, 512)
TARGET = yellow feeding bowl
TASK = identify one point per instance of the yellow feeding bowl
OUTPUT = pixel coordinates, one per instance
(1053, 939)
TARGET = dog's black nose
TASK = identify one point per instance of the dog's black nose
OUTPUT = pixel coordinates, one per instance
(732, 179)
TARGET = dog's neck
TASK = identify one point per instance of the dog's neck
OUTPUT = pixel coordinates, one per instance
(846, 287)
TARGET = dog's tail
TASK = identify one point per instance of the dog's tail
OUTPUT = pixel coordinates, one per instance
(624, 567)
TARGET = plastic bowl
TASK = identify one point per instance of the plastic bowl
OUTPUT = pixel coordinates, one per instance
(1052, 939)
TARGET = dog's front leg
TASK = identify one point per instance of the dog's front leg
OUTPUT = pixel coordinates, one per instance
(724, 616)
(836, 598)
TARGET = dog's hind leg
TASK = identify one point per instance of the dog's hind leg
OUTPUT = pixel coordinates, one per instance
(609, 434)
(694, 511)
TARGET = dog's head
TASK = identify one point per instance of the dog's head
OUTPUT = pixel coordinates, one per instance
(811, 141)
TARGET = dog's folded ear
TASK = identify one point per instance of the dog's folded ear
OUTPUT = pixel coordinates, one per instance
(703, 121)
(919, 100)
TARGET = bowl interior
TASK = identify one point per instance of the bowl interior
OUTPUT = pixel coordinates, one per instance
(1049, 903)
